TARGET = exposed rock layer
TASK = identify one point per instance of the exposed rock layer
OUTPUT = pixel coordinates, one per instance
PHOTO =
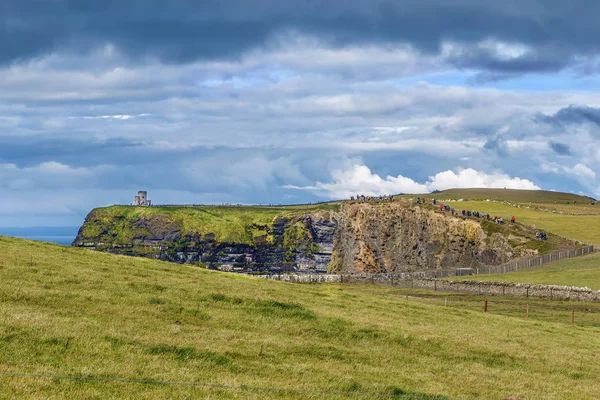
(359, 237)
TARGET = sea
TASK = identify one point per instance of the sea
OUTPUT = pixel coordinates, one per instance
(63, 235)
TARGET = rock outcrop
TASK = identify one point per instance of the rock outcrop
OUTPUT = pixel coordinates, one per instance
(391, 237)
(354, 238)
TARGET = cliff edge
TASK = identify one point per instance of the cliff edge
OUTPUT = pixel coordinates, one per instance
(347, 237)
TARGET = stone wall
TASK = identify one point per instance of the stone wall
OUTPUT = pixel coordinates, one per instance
(475, 287)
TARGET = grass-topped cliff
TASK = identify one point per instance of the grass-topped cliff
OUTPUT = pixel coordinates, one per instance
(235, 224)
(347, 236)
(114, 320)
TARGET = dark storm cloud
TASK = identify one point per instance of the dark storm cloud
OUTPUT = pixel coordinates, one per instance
(181, 31)
(496, 145)
(560, 148)
(572, 115)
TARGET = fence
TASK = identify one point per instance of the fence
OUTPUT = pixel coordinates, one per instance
(474, 287)
(512, 266)
(515, 265)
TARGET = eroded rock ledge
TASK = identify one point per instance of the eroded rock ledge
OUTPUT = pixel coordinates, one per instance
(350, 238)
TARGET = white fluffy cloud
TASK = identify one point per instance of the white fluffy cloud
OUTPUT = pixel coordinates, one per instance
(358, 179)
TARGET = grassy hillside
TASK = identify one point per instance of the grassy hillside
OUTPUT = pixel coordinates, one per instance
(70, 311)
(227, 223)
(578, 227)
(580, 271)
(512, 195)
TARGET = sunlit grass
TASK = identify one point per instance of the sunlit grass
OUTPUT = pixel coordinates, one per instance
(578, 271)
(76, 312)
(577, 227)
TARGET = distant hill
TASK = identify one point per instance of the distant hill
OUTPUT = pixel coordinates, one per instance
(513, 195)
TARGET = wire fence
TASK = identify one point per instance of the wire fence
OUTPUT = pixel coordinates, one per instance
(512, 266)
(571, 313)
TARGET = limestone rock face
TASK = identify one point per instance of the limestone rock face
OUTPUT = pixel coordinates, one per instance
(395, 238)
(356, 238)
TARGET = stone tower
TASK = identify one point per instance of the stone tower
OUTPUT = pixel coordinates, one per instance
(141, 199)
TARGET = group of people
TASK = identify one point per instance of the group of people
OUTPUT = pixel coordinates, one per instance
(541, 235)
(467, 213)
(362, 197)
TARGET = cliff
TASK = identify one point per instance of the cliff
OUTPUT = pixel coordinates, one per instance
(351, 237)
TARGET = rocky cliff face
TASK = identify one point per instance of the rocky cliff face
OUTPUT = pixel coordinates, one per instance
(357, 237)
(297, 243)
(392, 237)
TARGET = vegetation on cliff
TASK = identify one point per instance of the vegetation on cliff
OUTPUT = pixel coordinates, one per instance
(335, 237)
(70, 311)
(233, 224)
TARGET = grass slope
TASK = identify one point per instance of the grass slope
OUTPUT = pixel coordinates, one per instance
(77, 312)
(577, 227)
(512, 195)
(580, 271)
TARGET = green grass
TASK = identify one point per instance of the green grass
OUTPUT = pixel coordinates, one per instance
(234, 224)
(578, 271)
(512, 195)
(578, 227)
(78, 312)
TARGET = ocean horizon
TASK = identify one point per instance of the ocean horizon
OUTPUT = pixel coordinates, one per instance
(63, 235)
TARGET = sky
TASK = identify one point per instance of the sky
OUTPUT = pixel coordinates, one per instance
(270, 101)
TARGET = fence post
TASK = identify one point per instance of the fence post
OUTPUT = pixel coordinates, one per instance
(485, 306)
(527, 312)
(435, 285)
(572, 316)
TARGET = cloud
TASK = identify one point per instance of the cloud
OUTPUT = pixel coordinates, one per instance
(509, 36)
(560, 148)
(573, 115)
(358, 179)
(579, 170)
(111, 100)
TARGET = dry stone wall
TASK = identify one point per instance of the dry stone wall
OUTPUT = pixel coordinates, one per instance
(475, 287)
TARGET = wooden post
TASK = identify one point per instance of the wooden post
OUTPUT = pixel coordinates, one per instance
(445, 302)
(503, 287)
(572, 316)
(527, 312)
(435, 285)
(485, 306)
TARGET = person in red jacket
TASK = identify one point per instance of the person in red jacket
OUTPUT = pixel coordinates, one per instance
(512, 219)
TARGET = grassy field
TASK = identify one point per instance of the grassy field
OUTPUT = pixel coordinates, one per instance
(578, 227)
(512, 195)
(227, 223)
(580, 271)
(70, 311)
